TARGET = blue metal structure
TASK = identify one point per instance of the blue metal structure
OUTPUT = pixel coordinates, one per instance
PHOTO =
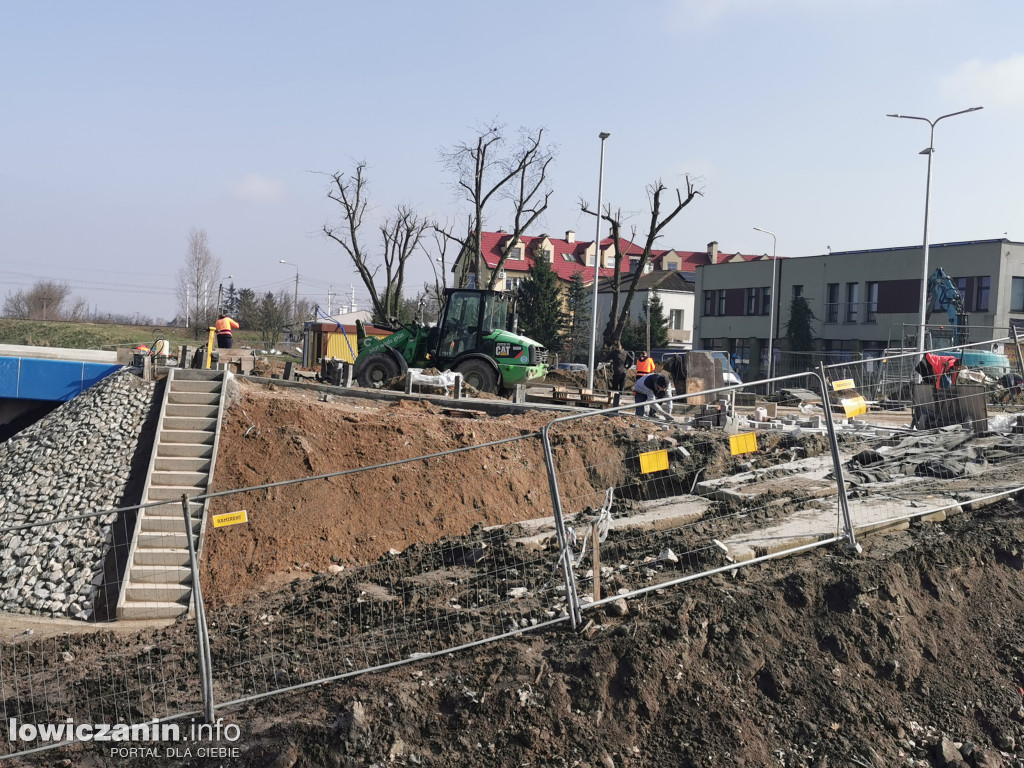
(29, 378)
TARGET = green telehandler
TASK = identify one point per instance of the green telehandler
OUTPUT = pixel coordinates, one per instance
(471, 338)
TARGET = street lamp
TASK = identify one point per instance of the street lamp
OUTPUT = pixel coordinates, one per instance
(597, 264)
(220, 293)
(927, 204)
(772, 301)
(295, 305)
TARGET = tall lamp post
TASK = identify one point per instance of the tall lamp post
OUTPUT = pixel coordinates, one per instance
(295, 304)
(597, 265)
(927, 204)
(220, 293)
(773, 301)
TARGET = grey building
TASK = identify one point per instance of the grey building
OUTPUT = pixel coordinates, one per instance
(863, 301)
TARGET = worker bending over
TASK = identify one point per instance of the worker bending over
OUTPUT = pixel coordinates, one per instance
(653, 386)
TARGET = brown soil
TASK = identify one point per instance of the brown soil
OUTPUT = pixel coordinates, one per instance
(273, 434)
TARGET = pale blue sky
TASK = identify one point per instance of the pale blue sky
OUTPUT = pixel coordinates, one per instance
(125, 124)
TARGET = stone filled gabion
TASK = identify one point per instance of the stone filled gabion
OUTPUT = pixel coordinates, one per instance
(74, 461)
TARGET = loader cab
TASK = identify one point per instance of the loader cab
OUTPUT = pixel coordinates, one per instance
(469, 317)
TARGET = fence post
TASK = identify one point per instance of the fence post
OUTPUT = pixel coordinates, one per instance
(833, 442)
(1016, 343)
(202, 636)
(564, 553)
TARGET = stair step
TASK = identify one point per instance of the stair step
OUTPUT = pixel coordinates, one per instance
(167, 524)
(160, 574)
(172, 492)
(180, 479)
(161, 557)
(150, 610)
(186, 436)
(189, 423)
(184, 385)
(163, 593)
(201, 411)
(181, 464)
(185, 450)
(193, 398)
(164, 540)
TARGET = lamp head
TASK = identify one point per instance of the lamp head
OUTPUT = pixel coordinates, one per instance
(603, 135)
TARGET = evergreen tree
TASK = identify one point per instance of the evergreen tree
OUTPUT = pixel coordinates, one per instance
(659, 323)
(246, 308)
(634, 335)
(799, 333)
(540, 305)
(578, 305)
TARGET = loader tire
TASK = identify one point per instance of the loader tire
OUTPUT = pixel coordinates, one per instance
(377, 369)
(478, 375)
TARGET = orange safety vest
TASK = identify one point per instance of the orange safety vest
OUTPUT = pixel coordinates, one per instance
(645, 365)
(224, 325)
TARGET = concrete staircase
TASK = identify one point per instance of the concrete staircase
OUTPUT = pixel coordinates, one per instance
(158, 579)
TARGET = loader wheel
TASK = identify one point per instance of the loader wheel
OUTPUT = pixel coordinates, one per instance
(377, 369)
(478, 375)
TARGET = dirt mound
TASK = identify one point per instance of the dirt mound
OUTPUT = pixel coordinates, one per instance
(279, 434)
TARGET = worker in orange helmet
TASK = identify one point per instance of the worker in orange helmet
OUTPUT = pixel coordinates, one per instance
(224, 325)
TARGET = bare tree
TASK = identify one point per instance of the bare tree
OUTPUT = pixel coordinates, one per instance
(484, 171)
(617, 317)
(400, 236)
(45, 300)
(198, 278)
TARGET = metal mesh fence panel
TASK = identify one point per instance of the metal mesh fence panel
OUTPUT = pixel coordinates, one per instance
(399, 599)
(730, 478)
(60, 669)
(954, 438)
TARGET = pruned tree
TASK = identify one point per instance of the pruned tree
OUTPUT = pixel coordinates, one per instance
(400, 235)
(658, 221)
(486, 169)
(45, 300)
(198, 280)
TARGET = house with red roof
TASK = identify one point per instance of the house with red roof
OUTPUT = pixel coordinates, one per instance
(569, 256)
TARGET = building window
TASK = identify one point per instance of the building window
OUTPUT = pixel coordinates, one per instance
(568, 257)
(675, 319)
(832, 303)
(1017, 295)
(798, 291)
(852, 298)
(513, 283)
(709, 303)
(516, 254)
(984, 290)
(871, 303)
(721, 302)
(766, 301)
(672, 267)
(751, 301)
(471, 281)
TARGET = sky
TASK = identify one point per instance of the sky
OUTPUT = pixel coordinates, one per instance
(125, 125)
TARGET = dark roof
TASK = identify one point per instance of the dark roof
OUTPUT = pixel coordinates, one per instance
(668, 280)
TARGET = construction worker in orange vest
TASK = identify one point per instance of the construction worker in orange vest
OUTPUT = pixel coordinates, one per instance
(644, 364)
(224, 325)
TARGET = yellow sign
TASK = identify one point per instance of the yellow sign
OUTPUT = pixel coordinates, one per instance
(653, 461)
(231, 518)
(843, 384)
(854, 406)
(745, 442)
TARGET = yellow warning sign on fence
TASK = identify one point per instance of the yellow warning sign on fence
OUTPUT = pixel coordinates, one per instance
(843, 384)
(653, 461)
(231, 518)
(854, 406)
(743, 443)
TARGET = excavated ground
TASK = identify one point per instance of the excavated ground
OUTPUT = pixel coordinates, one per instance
(909, 654)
